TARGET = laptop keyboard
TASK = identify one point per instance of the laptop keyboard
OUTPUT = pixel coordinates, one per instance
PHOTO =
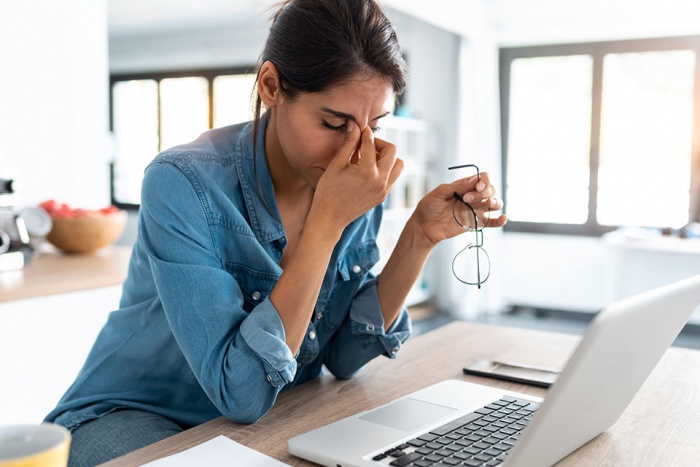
(482, 437)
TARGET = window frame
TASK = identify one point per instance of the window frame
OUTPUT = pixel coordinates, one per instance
(210, 74)
(597, 50)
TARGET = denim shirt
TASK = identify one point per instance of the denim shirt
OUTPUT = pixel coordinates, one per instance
(196, 335)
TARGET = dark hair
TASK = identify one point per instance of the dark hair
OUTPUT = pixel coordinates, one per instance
(317, 44)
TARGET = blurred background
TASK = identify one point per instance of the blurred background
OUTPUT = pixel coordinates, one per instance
(584, 113)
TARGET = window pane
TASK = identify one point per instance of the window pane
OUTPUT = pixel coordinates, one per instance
(184, 104)
(646, 131)
(135, 111)
(549, 139)
(232, 99)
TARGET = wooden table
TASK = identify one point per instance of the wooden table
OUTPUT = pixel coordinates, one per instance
(52, 272)
(660, 427)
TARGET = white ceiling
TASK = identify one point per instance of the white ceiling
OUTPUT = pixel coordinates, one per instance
(511, 19)
(140, 17)
(127, 17)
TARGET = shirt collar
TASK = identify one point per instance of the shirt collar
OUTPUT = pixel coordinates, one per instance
(258, 191)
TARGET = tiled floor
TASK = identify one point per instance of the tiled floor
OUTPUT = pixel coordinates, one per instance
(555, 321)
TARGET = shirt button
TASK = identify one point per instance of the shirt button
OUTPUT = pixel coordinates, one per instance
(256, 296)
(370, 327)
(319, 315)
(312, 335)
(356, 269)
(269, 378)
(394, 351)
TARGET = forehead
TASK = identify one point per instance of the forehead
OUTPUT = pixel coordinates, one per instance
(368, 94)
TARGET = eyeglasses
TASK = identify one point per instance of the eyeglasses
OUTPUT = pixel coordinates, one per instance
(471, 265)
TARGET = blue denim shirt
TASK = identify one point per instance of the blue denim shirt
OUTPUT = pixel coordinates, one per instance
(196, 335)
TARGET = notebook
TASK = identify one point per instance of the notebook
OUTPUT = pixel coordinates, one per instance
(456, 422)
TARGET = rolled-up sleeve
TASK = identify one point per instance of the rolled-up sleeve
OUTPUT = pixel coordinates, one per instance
(361, 337)
(263, 331)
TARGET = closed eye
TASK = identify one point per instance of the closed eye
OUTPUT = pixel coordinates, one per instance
(333, 127)
(343, 127)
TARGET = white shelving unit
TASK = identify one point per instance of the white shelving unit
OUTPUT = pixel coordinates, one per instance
(410, 137)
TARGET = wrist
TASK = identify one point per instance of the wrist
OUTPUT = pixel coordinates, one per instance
(323, 228)
(417, 237)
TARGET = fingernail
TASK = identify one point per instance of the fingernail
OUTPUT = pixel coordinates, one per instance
(480, 186)
(349, 127)
(469, 198)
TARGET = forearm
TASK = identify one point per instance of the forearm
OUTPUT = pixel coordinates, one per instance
(402, 270)
(296, 292)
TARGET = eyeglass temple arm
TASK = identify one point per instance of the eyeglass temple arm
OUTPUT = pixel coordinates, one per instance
(478, 177)
(478, 174)
(458, 197)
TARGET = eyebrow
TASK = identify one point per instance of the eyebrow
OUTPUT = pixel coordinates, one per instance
(350, 116)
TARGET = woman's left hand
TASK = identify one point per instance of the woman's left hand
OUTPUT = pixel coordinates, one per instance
(434, 215)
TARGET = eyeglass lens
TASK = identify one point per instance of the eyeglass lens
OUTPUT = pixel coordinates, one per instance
(472, 265)
(465, 215)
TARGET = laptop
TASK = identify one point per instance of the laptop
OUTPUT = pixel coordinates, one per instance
(456, 422)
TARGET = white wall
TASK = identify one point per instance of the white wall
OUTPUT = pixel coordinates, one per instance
(53, 100)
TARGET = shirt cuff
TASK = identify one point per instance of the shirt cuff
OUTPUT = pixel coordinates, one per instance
(264, 333)
(366, 318)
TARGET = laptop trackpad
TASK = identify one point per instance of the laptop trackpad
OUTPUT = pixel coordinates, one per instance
(407, 414)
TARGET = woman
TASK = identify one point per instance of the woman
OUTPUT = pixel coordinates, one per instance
(251, 268)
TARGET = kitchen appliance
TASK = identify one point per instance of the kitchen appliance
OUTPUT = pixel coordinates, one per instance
(16, 247)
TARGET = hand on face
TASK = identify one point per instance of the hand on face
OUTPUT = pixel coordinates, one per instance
(434, 212)
(358, 178)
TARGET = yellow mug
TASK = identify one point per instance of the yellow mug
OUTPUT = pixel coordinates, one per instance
(44, 445)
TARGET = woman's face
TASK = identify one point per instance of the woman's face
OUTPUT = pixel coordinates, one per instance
(306, 133)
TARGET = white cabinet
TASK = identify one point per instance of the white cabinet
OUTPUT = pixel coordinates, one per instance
(43, 344)
(635, 265)
(410, 137)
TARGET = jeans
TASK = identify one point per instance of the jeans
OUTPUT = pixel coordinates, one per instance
(116, 434)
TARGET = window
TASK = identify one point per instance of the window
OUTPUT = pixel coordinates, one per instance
(153, 112)
(600, 135)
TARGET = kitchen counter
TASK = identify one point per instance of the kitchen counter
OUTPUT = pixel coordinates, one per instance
(52, 272)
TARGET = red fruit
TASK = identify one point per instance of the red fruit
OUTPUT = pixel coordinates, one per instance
(109, 210)
(63, 210)
(49, 206)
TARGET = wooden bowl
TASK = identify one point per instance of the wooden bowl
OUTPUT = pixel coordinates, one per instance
(88, 233)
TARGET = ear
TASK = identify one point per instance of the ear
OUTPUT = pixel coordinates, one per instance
(269, 85)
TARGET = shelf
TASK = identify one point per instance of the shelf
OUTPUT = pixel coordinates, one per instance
(410, 136)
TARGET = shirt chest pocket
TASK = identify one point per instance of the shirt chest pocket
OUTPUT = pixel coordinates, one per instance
(255, 285)
(357, 261)
(352, 268)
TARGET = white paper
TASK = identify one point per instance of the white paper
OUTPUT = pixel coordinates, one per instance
(215, 452)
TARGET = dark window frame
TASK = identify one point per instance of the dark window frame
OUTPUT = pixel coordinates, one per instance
(209, 74)
(597, 50)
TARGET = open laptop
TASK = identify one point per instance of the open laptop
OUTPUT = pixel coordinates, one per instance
(459, 423)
